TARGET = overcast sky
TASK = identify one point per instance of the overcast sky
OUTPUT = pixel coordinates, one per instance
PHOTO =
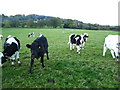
(104, 12)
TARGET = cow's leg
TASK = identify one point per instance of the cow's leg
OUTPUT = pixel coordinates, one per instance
(82, 46)
(12, 62)
(104, 50)
(112, 52)
(71, 46)
(17, 57)
(31, 64)
(78, 49)
(12, 58)
(117, 58)
(19, 61)
(47, 55)
(42, 61)
(117, 54)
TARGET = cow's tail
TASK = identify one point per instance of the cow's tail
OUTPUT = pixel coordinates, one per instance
(69, 41)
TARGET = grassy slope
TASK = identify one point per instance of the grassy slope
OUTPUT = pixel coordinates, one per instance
(65, 69)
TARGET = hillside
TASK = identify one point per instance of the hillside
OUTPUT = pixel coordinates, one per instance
(41, 21)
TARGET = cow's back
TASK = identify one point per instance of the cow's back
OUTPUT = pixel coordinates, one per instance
(111, 41)
(11, 45)
(42, 41)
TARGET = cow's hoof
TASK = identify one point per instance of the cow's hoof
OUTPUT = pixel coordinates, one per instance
(117, 61)
(13, 65)
(82, 48)
(43, 66)
(19, 64)
(78, 53)
(30, 72)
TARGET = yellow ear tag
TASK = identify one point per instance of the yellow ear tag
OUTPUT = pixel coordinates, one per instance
(39, 46)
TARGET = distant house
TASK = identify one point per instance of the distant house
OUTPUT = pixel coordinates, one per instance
(36, 21)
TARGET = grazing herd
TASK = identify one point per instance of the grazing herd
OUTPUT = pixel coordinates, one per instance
(39, 47)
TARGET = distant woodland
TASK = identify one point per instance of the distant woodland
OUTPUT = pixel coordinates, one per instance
(40, 21)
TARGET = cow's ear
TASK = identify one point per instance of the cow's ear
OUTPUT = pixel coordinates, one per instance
(28, 45)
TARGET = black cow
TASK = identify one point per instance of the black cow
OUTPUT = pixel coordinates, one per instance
(78, 41)
(11, 50)
(38, 48)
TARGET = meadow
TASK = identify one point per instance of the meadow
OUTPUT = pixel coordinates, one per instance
(65, 68)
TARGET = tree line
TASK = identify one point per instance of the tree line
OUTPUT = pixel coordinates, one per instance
(40, 21)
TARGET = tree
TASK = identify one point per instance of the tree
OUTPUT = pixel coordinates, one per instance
(14, 23)
(68, 23)
(41, 23)
(30, 23)
(7, 25)
(54, 22)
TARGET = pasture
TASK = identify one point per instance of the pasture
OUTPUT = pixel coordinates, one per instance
(65, 68)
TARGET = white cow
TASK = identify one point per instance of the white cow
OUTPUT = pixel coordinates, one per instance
(112, 43)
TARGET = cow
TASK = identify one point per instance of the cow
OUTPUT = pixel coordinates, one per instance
(38, 48)
(1, 36)
(78, 41)
(11, 50)
(112, 43)
(31, 34)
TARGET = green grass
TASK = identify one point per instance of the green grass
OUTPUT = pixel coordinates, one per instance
(65, 69)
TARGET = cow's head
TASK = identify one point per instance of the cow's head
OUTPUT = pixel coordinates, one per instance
(86, 35)
(35, 49)
(3, 59)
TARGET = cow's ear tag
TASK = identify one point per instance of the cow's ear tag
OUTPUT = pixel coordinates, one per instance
(39, 46)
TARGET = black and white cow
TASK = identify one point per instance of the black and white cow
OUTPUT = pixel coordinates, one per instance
(11, 50)
(1, 36)
(31, 34)
(78, 41)
(38, 48)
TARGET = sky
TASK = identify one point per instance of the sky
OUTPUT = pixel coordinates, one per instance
(103, 12)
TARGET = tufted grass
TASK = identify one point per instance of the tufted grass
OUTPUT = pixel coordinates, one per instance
(65, 69)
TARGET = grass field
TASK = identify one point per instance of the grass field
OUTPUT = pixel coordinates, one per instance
(65, 69)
